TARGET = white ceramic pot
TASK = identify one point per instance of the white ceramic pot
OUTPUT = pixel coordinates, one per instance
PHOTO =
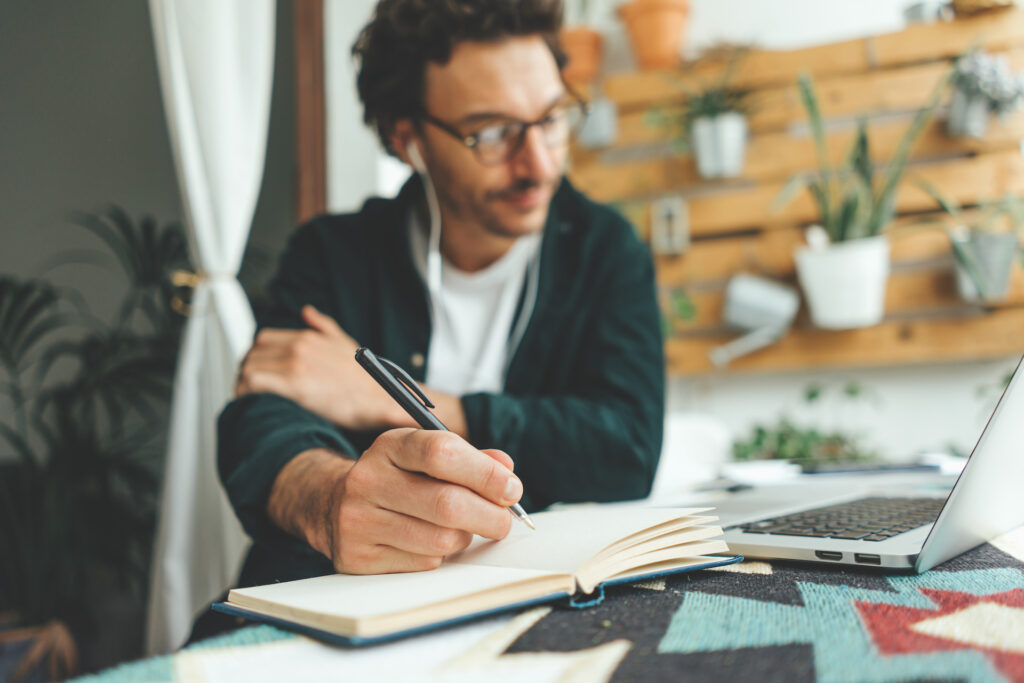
(844, 283)
(719, 144)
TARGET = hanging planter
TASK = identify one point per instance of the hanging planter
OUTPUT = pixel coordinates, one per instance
(984, 264)
(584, 48)
(983, 85)
(985, 248)
(845, 283)
(655, 30)
(968, 114)
(719, 144)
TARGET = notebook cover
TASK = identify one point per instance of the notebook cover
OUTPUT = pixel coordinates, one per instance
(356, 641)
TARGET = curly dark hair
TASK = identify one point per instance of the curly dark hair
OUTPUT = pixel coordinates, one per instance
(394, 49)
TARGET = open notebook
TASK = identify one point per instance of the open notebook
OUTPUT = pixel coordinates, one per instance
(572, 551)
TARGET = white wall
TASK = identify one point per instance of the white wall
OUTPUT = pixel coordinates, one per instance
(357, 166)
(913, 409)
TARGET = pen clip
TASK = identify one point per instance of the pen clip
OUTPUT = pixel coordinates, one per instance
(403, 377)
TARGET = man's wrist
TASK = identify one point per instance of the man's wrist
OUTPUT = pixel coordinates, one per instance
(305, 492)
(449, 410)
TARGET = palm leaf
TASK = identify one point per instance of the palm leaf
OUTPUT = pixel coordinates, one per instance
(28, 312)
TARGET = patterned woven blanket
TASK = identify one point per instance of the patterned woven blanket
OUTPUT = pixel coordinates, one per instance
(964, 620)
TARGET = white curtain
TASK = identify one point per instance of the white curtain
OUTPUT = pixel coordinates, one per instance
(216, 61)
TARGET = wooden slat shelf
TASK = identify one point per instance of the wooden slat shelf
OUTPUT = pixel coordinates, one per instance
(734, 207)
(980, 336)
(736, 224)
(913, 240)
(920, 293)
(995, 32)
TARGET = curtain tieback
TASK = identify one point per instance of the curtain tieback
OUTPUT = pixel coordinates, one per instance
(191, 279)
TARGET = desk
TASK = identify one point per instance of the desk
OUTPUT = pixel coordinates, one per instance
(963, 620)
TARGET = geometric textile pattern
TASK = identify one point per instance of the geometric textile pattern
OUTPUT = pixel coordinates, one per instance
(963, 620)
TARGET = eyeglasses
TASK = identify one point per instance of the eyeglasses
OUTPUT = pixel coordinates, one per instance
(499, 140)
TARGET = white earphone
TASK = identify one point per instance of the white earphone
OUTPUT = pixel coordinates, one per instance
(434, 243)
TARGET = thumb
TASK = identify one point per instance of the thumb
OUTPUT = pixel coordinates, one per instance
(320, 322)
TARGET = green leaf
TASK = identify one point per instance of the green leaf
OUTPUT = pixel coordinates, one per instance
(885, 200)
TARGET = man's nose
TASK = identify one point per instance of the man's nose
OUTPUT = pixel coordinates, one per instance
(534, 159)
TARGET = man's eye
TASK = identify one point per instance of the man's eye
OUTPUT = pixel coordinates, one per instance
(495, 134)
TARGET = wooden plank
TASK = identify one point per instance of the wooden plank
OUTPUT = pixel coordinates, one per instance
(912, 292)
(779, 156)
(639, 129)
(912, 239)
(849, 96)
(994, 31)
(743, 207)
(310, 127)
(983, 336)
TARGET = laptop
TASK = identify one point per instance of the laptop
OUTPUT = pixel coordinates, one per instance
(887, 530)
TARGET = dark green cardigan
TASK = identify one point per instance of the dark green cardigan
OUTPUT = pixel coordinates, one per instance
(583, 406)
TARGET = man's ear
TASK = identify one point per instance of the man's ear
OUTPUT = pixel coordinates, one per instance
(403, 133)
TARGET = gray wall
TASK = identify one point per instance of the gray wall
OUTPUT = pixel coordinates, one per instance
(82, 125)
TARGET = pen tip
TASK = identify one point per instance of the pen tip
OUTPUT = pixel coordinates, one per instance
(529, 523)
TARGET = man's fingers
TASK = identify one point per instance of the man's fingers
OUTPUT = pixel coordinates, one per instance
(415, 536)
(437, 502)
(320, 322)
(447, 457)
(500, 456)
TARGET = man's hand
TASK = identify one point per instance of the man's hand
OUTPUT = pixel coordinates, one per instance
(317, 369)
(413, 498)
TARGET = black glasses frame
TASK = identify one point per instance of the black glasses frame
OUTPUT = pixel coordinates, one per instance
(472, 140)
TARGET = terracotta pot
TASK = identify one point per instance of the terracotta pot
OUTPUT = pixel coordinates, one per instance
(656, 30)
(583, 47)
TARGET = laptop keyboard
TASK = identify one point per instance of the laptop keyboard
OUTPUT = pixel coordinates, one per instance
(870, 519)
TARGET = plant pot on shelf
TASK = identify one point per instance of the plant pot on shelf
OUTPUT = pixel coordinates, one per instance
(968, 114)
(656, 30)
(844, 283)
(719, 144)
(583, 47)
(984, 264)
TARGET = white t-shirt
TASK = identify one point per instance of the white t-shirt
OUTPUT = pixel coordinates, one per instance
(472, 316)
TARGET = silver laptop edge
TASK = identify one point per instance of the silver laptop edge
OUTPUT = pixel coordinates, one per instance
(985, 501)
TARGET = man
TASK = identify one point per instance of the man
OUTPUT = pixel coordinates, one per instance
(526, 311)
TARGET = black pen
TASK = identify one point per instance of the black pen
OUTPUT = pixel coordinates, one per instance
(403, 388)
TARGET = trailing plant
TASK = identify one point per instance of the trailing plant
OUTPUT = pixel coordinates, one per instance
(81, 448)
(853, 201)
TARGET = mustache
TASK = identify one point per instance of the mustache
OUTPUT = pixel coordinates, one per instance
(521, 185)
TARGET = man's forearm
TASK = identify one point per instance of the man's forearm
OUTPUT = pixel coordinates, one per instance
(305, 491)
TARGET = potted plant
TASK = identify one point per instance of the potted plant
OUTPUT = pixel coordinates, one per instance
(80, 449)
(583, 45)
(983, 84)
(983, 250)
(713, 125)
(844, 268)
(807, 448)
(716, 120)
(655, 30)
